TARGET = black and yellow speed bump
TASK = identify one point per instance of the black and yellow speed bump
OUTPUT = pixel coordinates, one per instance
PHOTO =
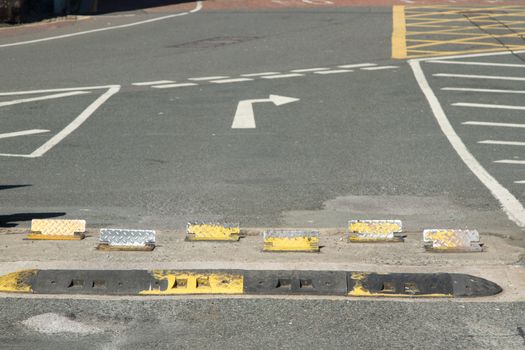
(251, 282)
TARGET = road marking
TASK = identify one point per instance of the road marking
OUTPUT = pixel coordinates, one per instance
(244, 117)
(259, 74)
(469, 76)
(358, 65)
(33, 92)
(146, 83)
(209, 78)
(168, 86)
(399, 45)
(281, 76)
(496, 142)
(235, 80)
(510, 204)
(505, 125)
(510, 161)
(305, 70)
(336, 71)
(42, 98)
(520, 182)
(22, 133)
(380, 68)
(484, 90)
(198, 7)
(490, 64)
(486, 105)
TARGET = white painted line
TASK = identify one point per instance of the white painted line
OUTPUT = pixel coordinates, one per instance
(147, 83)
(502, 53)
(16, 155)
(33, 92)
(42, 98)
(486, 105)
(156, 19)
(259, 74)
(22, 133)
(510, 161)
(209, 78)
(336, 71)
(505, 125)
(490, 64)
(169, 86)
(76, 122)
(358, 65)
(468, 76)
(520, 182)
(496, 91)
(309, 70)
(507, 143)
(380, 68)
(235, 80)
(510, 204)
(281, 76)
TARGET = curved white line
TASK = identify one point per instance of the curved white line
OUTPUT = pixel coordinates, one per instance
(510, 204)
(198, 7)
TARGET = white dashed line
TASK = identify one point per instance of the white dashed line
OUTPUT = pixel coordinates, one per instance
(235, 80)
(209, 78)
(168, 86)
(305, 70)
(259, 74)
(507, 143)
(486, 105)
(158, 82)
(358, 65)
(520, 182)
(510, 161)
(504, 125)
(497, 91)
(337, 71)
(470, 76)
(380, 68)
(41, 98)
(282, 76)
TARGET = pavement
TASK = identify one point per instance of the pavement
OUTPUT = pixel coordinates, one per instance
(128, 119)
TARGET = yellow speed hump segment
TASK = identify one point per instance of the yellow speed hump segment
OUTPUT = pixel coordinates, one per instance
(248, 282)
(291, 241)
(212, 232)
(59, 230)
(371, 231)
(445, 240)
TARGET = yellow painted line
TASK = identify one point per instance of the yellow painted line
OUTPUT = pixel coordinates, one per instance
(17, 282)
(399, 48)
(58, 227)
(212, 232)
(181, 282)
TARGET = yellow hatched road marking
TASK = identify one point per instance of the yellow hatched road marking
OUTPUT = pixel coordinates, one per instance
(399, 48)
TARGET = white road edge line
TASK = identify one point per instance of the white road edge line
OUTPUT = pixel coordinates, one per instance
(507, 143)
(42, 98)
(358, 65)
(497, 91)
(76, 122)
(335, 71)
(168, 86)
(469, 76)
(487, 105)
(510, 204)
(22, 133)
(234, 80)
(198, 7)
(504, 125)
(478, 63)
(510, 161)
(209, 78)
(280, 76)
(380, 68)
(158, 82)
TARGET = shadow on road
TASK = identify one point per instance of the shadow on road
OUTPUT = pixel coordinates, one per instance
(133, 5)
(14, 220)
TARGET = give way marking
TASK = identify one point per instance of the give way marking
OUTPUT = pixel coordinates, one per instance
(244, 117)
(72, 126)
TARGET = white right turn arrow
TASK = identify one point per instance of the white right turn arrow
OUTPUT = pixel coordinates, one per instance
(244, 117)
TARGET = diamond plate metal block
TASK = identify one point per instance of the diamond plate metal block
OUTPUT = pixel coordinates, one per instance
(375, 231)
(58, 227)
(444, 240)
(127, 238)
(291, 241)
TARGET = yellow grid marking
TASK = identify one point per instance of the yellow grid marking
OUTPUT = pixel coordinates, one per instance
(430, 31)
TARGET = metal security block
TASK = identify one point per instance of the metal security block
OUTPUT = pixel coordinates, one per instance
(63, 230)
(291, 241)
(127, 239)
(212, 232)
(445, 240)
(365, 231)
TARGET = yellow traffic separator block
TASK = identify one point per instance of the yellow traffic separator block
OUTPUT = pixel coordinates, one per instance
(371, 231)
(291, 241)
(58, 230)
(187, 282)
(17, 282)
(445, 240)
(212, 232)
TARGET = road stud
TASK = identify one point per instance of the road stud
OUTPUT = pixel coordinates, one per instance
(291, 241)
(126, 240)
(445, 240)
(370, 231)
(212, 232)
(58, 230)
